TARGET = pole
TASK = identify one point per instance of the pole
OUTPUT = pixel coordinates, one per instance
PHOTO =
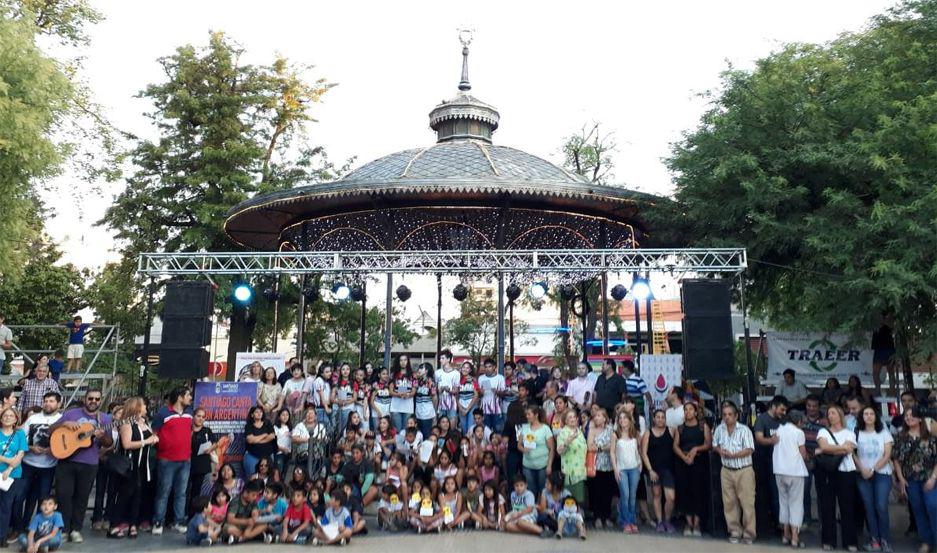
(650, 329)
(585, 321)
(145, 365)
(637, 332)
(388, 320)
(750, 370)
(301, 320)
(500, 332)
(511, 329)
(364, 312)
(276, 312)
(438, 317)
(605, 314)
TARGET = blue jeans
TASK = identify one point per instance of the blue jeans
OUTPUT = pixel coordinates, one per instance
(536, 480)
(249, 464)
(7, 500)
(400, 421)
(808, 501)
(323, 417)
(425, 426)
(451, 414)
(172, 475)
(924, 507)
(494, 422)
(53, 543)
(874, 492)
(343, 415)
(466, 421)
(627, 496)
(38, 484)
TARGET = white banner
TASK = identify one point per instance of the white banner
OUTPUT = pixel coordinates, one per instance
(816, 357)
(244, 359)
(660, 373)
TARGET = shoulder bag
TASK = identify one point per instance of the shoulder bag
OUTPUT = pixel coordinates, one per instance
(830, 461)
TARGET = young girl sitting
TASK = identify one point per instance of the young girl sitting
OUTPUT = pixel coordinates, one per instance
(391, 511)
(570, 521)
(219, 506)
(444, 469)
(454, 514)
(490, 514)
(551, 503)
(426, 517)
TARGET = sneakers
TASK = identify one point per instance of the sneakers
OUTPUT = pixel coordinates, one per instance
(300, 540)
(668, 527)
(13, 538)
(343, 542)
(206, 542)
(268, 538)
(179, 528)
(687, 532)
(697, 533)
(873, 545)
(232, 540)
(886, 547)
(75, 537)
(660, 528)
(734, 539)
(316, 542)
(157, 529)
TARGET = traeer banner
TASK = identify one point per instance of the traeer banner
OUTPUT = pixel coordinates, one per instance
(816, 357)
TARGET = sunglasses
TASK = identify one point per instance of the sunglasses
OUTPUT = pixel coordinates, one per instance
(93, 399)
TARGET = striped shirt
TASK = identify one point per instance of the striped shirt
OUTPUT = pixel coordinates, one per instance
(741, 438)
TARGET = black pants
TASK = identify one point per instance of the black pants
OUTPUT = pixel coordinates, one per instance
(766, 511)
(602, 487)
(837, 489)
(73, 483)
(195, 489)
(129, 497)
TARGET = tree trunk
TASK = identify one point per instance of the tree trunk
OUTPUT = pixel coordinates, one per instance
(239, 338)
(903, 347)
(564, 323)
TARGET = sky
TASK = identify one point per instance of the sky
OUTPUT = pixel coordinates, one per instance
(549, 67)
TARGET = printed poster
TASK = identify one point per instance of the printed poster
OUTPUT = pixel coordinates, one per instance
(244, 359)
(661, 372)
(226, 405)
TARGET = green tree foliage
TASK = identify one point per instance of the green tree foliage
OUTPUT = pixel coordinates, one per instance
(333, 332)
(476, 327)
(821, 161)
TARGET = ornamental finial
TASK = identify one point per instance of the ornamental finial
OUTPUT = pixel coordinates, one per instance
(465, 37)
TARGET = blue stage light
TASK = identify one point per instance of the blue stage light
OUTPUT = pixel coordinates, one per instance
(243, 293)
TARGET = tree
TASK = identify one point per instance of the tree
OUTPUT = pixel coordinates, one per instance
(821, 162)
(475, 328)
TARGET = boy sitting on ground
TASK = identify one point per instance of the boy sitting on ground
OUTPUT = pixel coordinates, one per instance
(45, 529)
(201, 530)
(242, 522)
(335, 526)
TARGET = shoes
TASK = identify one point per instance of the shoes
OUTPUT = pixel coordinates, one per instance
(268, 538)
(231, 540)
(206, 542)
(97, 526)
(697, 533)
(13, 538)
(660, 529)
(687, 532)
(157, 529)
(748, 541)
(343, 542)
(668, 527)
(179, 528)
(734, 539)
(886, 547)
(316, 542)
(559, 536)
(873, 545)
(75, 537)
(582, 537)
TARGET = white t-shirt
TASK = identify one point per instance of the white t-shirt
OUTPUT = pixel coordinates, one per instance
(626, 454)
(293, 391)
(6, 335)
(786, 455)
(37, 432)
(674, 416)
(319, 434)
(843, 436)
(317, 389)
(450, 381)
(872, 447)
(491, 403)
(283, 434)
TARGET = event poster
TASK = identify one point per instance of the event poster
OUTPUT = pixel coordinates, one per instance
(244, 359)
(226, 405)
(660, 373)
(816, 357)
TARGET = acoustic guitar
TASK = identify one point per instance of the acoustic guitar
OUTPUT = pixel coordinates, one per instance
(64, 442)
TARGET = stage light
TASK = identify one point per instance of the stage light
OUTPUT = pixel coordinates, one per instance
(271, 295)
(640, 288)
(567, 291)
(340, 291)
(460, 292)
(311, 293)
(538, 290)
(243, 293)
(619, 292)
(513, 292)
(357, 293)
(403, 293)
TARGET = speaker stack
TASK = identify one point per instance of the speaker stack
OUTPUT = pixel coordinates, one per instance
(187, 313)
(708, 352)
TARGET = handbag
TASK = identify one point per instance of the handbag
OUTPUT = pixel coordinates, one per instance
(118, 463)
(590, 463)
(830, 461)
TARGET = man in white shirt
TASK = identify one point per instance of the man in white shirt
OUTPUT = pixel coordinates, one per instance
(6, 341)
(38, 463)
(447, 388)
(674, 413)
(581, 389)
(734, 443)
(793, 390)
(491, 385)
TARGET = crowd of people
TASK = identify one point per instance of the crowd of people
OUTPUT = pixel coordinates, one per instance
(521, 450)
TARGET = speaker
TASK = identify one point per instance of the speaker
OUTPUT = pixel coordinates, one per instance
(187, 311)
(187, 363)
(708, 351)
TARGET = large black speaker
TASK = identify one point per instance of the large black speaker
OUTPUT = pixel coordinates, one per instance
(187, 363)
(708, 351)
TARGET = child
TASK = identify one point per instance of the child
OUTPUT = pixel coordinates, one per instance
(471, 496)
(333, 472)
(335, 525)
(219, 506)
(425, 517)
(523, 516)
(45, 529)
(414, 503)
(569, 520)
(454, 514)
(57, 364)
(391, 514)
(551, 503)
(270, 510)
(490, 514)
(242, 515)
(201, 530)
(297, 520)
(489, 470)
(316, 502)
(354, 506)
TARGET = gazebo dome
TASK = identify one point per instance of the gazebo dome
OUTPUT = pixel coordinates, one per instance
(461, 193)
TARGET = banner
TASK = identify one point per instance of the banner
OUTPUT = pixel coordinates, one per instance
(226, 405)
(244, 359)
(816, 357)
(661, 372)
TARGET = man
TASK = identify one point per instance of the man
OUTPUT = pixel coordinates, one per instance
(75, 475)
(813, 422)
(513, 420)
(610, 388)
(36, 389)
(581, 389)
(6, 341)
(854, 407)
(908, 401)
(794, 390)
(734, 444)
(447, 388)
(491, 385)
(637, 388)
(674, 413)
(359, 472)
(288, 371)
(766, 425)
(173, 427)
(550, 392)
(38, 463)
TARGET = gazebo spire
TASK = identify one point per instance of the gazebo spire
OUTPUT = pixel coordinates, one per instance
(465, 36)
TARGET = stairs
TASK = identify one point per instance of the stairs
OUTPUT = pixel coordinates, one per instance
(661, 345)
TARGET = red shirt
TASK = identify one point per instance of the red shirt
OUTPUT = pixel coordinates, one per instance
(295, 517)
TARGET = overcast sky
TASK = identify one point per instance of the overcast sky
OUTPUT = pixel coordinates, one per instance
(549, 67)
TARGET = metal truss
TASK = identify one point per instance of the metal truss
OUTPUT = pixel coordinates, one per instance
(471, 262)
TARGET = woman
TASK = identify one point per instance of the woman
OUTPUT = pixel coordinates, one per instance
(343, 395)
(284, 432)
(558, 376)
(265, 472)
(691, 441)
(200, 468)
(269, 391)
(626, 460)
(839, 486)
(402, 391)
(261, 439)
(448, 438)
(854, 389)
(136, 442)
(426, 400)
(293, 393)
(536, 444)
(873, 464)
(363, 397)
(790, 473)
(915, 463)
(629, 407)
(602, 485)
(228, 481)
(13, 447)
(380, 397)
(252, 373)
(309, 441)
(320, 392)
(557, 421)
(657, 454)
(571, 445)
(469, 396)
(832, 392)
